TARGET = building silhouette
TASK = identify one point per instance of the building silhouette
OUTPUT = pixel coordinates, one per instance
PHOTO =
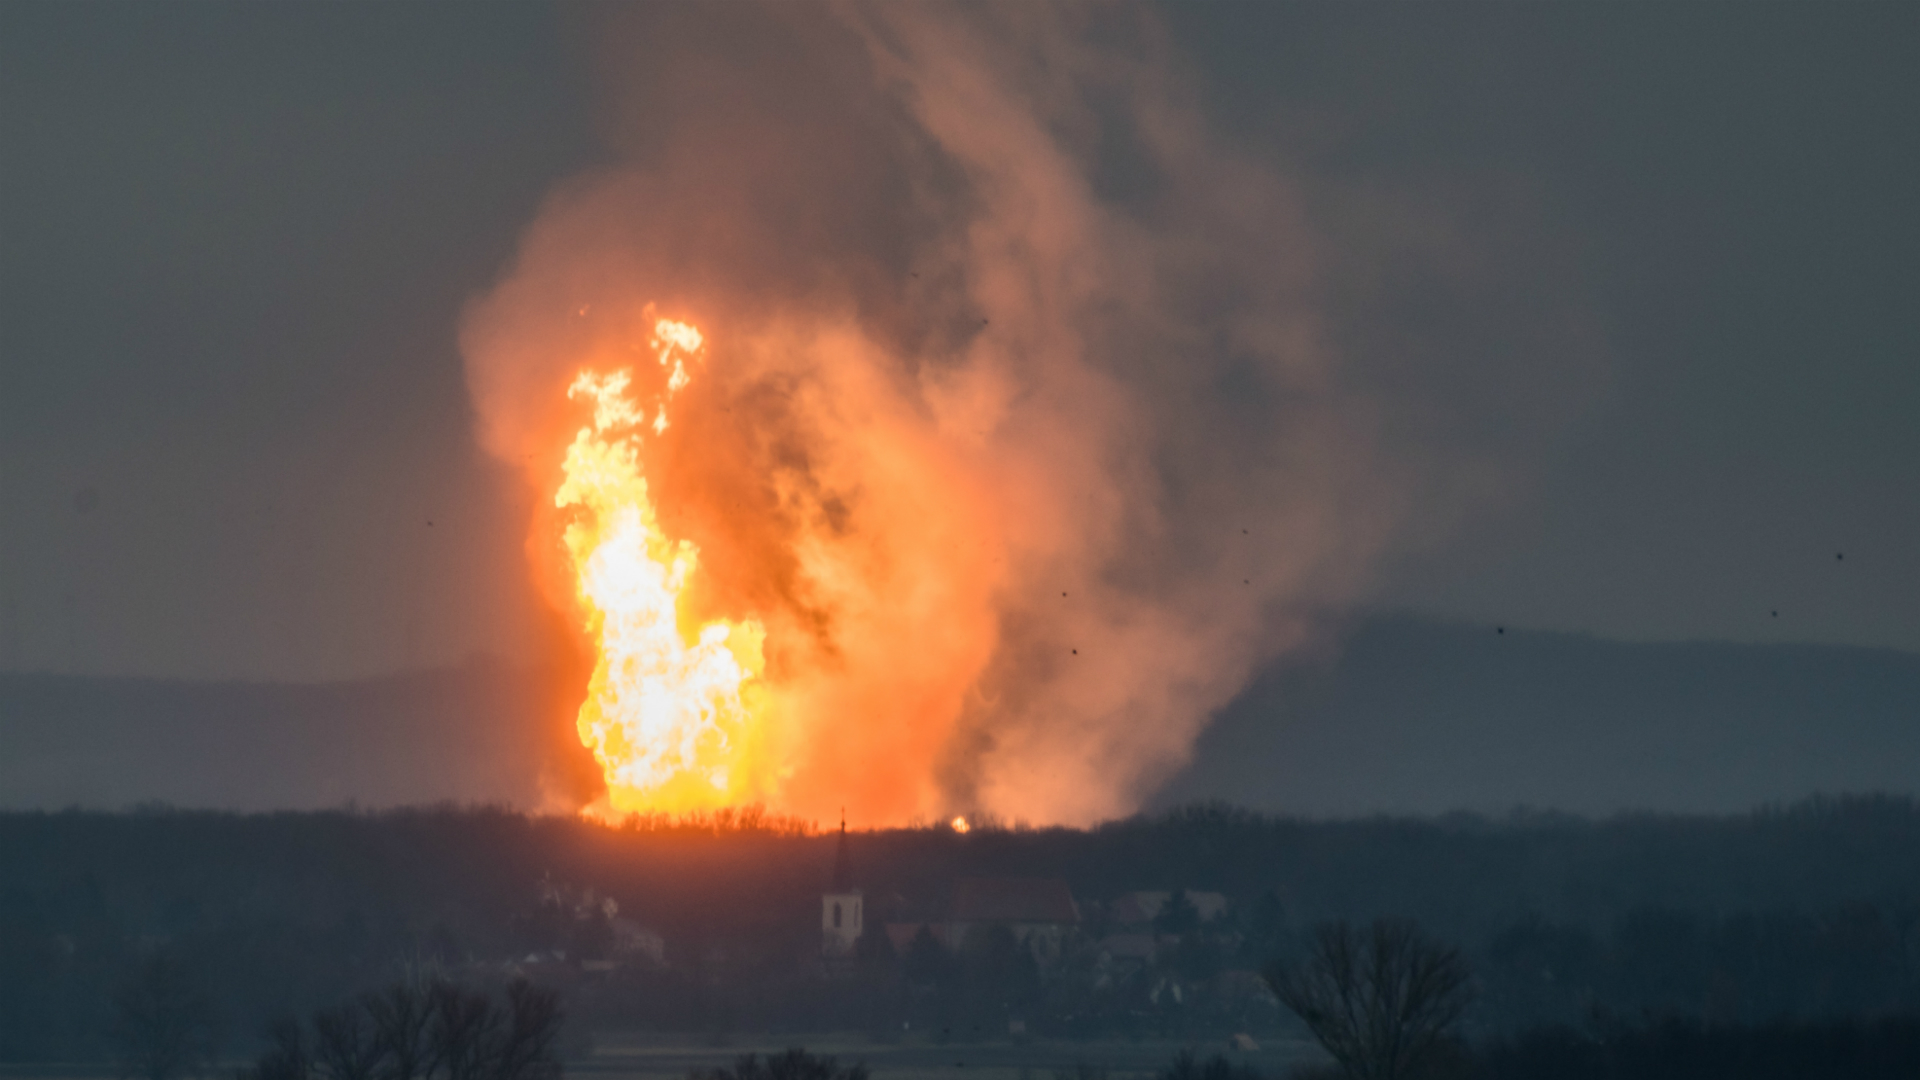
(842, 918)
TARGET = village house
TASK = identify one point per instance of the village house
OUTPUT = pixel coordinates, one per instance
(1040, 912)
(633, 943)
(1136, 910)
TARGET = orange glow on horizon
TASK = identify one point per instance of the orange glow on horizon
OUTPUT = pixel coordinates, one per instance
(960, 825)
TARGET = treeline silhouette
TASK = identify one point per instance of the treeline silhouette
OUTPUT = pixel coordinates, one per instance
(1802, 911)
(418, 1029)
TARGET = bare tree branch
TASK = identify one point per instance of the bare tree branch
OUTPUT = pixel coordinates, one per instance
(346, 1043)
(529, 1048)
(401, 1018)
(1380, 1000)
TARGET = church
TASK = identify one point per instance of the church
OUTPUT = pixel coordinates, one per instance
(841, 917)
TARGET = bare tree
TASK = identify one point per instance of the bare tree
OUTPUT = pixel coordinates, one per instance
(1380, 1000)
(346, 1043)
(402, 1017)
(530, 1044)
(465, 1032)
(162, 1024)
(418, 1030)
(287, 1056)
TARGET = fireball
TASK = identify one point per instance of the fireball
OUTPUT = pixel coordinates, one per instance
(998, 489)
(673, 714)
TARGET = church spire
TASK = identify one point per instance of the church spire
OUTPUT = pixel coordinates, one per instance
(842, 862)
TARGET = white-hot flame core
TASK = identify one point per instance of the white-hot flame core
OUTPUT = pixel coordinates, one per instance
(666, 717)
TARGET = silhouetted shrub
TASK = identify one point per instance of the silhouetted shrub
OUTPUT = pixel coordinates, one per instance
(795, 1064)
(1188, 1066)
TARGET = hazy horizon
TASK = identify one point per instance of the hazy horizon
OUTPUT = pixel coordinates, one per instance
(1408, 715)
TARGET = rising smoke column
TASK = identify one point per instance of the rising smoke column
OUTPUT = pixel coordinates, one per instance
(1018, 432)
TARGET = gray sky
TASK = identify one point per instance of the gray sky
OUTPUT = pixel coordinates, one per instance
(235, 243)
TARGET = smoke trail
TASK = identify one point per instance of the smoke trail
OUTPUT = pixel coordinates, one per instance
(1020, 430)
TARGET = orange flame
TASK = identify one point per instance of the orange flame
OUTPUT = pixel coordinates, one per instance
(960, 825)
(674, 719)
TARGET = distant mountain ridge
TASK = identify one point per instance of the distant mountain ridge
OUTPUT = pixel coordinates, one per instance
(1416, 716)
(1405, 716)
(470, 734)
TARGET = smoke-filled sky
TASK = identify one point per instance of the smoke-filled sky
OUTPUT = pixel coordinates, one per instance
(1591, 318)
(1030, 422)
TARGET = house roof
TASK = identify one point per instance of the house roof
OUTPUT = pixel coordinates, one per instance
(1129, 947)
(1135, 908)
(901, 934)
(1015, 900)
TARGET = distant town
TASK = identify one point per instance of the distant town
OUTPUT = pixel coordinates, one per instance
(1177, 945)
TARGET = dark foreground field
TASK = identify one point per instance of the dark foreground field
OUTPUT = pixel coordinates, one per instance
(674, 944)
(641, 1056)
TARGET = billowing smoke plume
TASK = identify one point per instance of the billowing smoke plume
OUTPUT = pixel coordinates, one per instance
(1021, 429)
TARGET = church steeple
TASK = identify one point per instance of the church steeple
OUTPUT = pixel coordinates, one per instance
(841, 919)
(842, 862)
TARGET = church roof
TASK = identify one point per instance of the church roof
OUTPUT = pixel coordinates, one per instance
(1016, 900)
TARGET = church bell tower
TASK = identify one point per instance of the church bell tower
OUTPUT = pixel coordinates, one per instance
(841, 917)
